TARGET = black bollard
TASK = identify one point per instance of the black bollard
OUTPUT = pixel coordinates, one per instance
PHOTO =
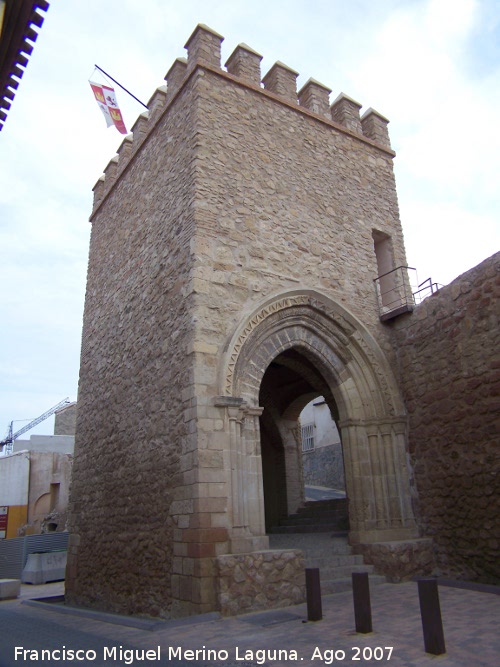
(430, 611)
(313, 592)
(362, 605)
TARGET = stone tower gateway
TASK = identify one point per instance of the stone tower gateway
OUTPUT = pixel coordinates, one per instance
(235, 240)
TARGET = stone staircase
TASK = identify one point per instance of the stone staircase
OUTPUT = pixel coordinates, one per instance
(317, 516)
(319, 530)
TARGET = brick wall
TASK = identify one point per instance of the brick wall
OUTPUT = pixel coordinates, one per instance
(449, 360)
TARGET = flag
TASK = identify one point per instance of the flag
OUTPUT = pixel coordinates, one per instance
(106, 99)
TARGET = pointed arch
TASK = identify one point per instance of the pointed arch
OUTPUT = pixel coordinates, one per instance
(323, 330)
(371, 412)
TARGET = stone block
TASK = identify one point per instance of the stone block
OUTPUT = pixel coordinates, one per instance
(245, 63)
(204, 46)
(260, 580)
(400, 560)
(282, 80)
(345, 111)
(9, 588)
(45, 567)
(315, 97)
(374, 126)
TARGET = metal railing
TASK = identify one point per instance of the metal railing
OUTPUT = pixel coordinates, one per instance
(307, 437)
(394, 292)
(399, 292)
(425, 289)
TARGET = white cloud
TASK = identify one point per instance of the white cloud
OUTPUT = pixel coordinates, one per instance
(447, 230)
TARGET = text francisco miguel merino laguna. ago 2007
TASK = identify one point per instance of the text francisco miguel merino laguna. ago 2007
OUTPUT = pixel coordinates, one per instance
(128, 656)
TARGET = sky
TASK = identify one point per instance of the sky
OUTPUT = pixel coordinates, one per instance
(432, 67)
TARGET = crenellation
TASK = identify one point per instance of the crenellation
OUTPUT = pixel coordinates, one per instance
(345, 111)
(175, 76)
(375, 127)
(244, 62)
(110, 173)
(124, 152)
(204, 46)
(157, 102)
(140, 129)
(282, 80)
(316, 97)
(125, 149)
(98, 191)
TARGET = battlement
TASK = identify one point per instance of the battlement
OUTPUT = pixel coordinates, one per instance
(244, 67)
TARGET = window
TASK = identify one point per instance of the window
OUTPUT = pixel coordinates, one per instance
(307, 437)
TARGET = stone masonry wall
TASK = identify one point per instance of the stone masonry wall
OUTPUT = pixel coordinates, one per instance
(134, 373)
(449, 361)
(324, 466)
(227, 194)
(260, 580)
(286, 200)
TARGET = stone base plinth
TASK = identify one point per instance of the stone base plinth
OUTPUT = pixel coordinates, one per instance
(260, 580)
(9, 588)
(399, 560)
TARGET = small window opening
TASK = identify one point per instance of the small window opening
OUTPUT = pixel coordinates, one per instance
(307, 437)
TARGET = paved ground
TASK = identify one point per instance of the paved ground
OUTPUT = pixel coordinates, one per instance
(470, 620)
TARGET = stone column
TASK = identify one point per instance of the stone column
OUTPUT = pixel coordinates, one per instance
(256, 517)
(289, 431)
(378, 468)
(359, 494)
(377, 481)
(245, 507)
(401, 473)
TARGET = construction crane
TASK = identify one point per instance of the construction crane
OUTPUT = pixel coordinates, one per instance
(8, 443)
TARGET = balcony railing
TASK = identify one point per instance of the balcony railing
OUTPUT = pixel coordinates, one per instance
(398, 291)
(394, 293)
(425, 289)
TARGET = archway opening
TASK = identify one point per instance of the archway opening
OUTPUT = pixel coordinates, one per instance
(322, 456)
(290, 383)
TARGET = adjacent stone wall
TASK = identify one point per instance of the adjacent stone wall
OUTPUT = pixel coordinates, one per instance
(324, 466)
(449, 361)
(260, 580)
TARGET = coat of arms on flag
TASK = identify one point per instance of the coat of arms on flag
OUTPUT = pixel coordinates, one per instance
(106, 99)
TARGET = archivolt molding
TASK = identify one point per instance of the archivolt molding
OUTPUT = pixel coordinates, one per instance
(249, 326)
(344, 336)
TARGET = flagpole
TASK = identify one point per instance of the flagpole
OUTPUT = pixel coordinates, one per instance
(122, 87)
